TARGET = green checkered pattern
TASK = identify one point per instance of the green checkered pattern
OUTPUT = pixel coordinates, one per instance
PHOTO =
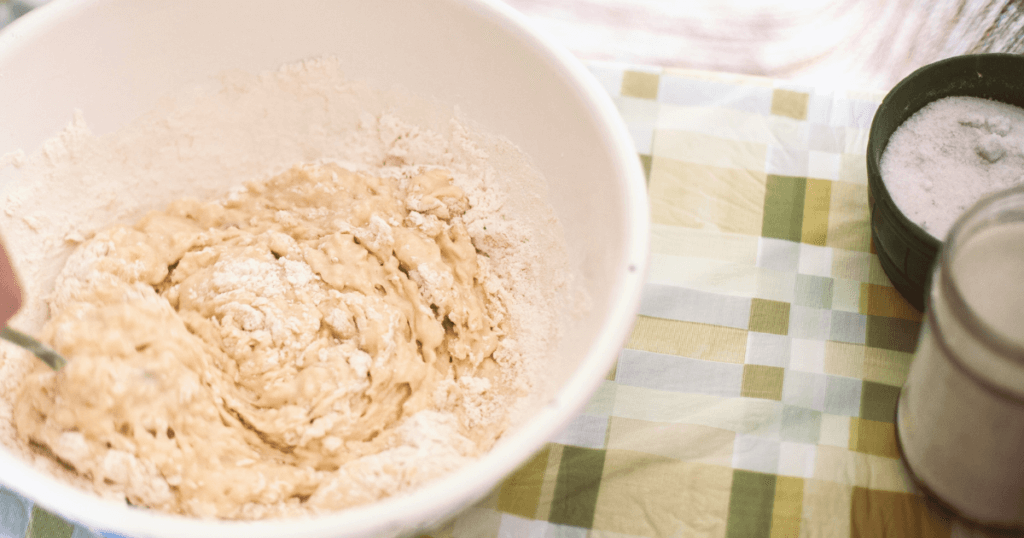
(756, 395)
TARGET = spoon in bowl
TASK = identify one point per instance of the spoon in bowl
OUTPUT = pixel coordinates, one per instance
(45, 353)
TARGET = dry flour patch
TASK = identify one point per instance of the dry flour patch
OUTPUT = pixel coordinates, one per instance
(950, 154)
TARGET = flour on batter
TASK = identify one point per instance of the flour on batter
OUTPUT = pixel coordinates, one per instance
(256, 355)
(227, 350)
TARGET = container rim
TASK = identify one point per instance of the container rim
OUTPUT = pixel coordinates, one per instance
(990, 336)
(906, 85)
(952, 76)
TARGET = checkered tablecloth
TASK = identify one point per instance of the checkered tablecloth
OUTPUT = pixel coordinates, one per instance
(757, 393)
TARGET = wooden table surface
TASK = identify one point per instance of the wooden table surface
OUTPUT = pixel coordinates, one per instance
(849, 44)
(863, 44)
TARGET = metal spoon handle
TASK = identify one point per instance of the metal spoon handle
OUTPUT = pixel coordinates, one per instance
(50, 357)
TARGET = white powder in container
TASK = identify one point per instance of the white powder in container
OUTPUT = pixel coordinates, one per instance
(950, 154)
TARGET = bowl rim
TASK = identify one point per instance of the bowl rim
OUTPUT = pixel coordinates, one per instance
(394, 514)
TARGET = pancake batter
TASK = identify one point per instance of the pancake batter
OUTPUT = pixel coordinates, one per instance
(310, 343)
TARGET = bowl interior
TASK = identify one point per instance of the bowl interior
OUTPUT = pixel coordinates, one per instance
(113, 60)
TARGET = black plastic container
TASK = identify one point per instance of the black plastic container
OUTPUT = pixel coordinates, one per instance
(905, 250)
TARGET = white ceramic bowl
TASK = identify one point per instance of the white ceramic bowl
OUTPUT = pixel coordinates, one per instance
(114, 58)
